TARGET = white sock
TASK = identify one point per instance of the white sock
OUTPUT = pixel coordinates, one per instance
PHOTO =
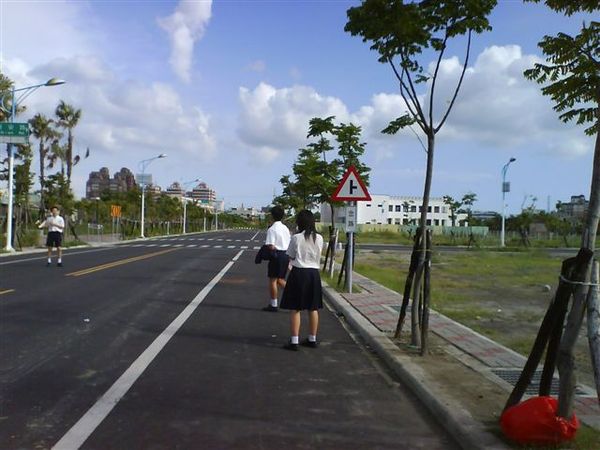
(59, 260)
(294, 339)
(49, 260)
(274, 302)
(312, 338)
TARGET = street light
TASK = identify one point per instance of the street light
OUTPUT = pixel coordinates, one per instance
(143, 164)
(184, 184)
(505, 189)
(16, 99)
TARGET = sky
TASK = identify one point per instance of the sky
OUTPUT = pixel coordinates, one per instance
(226, 89)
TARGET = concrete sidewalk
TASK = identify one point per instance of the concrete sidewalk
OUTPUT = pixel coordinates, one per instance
(374, 313)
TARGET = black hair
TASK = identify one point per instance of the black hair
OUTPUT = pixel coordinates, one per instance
(277, 212)
(306, 223)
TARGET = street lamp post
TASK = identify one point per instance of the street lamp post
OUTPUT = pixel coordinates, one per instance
(143, 164)
(505, 189)
(16, 99)
(184, 184)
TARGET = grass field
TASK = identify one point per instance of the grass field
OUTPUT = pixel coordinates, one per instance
(501, 295)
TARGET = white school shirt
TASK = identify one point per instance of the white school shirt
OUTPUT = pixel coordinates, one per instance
(278, 235)
(52, 223)
(305, 253)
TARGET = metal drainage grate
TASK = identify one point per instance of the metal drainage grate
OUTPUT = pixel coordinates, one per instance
(511, 376)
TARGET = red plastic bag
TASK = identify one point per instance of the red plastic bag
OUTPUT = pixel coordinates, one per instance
(535, 422)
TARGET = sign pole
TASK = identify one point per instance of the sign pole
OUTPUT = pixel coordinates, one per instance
(351, 188)
(349, 260)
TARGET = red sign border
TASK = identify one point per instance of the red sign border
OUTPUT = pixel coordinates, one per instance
(350, 170)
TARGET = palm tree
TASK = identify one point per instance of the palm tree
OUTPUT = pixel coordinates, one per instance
(43, 131)
(68, 118)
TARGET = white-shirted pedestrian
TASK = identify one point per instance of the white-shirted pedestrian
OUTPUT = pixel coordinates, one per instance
(303, 289)
(278, 240)
(56, 225)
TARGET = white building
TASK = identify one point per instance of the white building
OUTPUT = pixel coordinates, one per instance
(396, 210)
(248, 212)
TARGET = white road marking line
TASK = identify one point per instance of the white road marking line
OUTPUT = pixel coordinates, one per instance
(256, 248)
(255, 235)
(210, 239)
(138, 245)
(244, 246)
(78, 434)
(205, 246)
(165, 245)
(218, 246)
(231, 246)
(178, 245)
(150, 245)
(191, 245)
(236, 257)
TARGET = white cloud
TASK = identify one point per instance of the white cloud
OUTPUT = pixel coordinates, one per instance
(185, 26)
(497, 107)
(126, 121)
(275, 120)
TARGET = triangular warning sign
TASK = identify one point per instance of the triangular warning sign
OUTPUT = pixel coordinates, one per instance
(351, 188)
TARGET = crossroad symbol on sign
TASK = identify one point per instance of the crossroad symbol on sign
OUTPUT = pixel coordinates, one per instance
(351, 188)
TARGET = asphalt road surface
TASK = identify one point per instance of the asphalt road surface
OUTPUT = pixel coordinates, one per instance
(161, 344)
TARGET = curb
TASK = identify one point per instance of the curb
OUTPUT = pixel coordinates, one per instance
(468, 433)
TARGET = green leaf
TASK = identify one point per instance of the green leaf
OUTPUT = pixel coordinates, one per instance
(397, 124)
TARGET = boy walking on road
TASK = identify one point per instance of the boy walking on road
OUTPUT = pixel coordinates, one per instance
(56, 226)
(278, 239)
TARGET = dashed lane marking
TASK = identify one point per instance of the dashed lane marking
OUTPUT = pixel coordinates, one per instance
(6, 291)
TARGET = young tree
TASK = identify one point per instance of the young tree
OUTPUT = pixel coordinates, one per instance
(400, 32)
(571, 78)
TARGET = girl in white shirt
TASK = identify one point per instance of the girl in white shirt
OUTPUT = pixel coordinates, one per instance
(303, 288)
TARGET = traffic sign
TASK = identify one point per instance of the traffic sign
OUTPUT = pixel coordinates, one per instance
(351, 188)
(115, 210)
(14, 133)
(350, 218)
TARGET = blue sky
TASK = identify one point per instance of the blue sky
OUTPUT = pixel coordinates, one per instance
(226, 89)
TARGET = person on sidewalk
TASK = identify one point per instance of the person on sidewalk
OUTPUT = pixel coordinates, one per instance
(303, 288)
(278, 239)
(56, 226)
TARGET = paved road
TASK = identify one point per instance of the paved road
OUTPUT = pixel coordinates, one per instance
(161, 344)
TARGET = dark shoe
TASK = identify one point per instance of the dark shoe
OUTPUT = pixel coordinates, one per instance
(47, 264)
(58, 264)
(271, 308)
(307, 343)
(290, 346)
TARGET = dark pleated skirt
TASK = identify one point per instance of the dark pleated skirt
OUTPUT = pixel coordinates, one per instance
(302, 290)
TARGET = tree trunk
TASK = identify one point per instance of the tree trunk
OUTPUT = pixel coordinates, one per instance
(566, 360)
(426, 296)
(42, 176)
(415, 335)
(69, 156)
(593, 324)
(414, 257)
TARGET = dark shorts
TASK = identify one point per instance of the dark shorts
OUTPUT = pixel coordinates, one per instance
(278, 266)
(54, 239)
(302, 290)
